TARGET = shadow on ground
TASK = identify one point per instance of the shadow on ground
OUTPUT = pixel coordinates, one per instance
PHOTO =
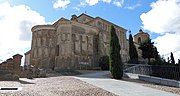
(98, 75)
(25, 82)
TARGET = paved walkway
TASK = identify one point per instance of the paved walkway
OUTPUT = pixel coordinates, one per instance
(119, 87)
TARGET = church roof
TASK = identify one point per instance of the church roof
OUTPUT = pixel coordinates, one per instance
(60, 20)
(141, 32)
(85, 15)
(106, 21)
(92, 19)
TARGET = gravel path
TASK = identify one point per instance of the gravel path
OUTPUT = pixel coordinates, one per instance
(53, 86)
(58, 85)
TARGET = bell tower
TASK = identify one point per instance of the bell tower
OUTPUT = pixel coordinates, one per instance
(141, 36)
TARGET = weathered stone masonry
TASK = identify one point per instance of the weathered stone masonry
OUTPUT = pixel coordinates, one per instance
(74, 44)
(11, 69)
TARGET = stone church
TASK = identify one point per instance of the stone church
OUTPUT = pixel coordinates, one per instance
(77, 43)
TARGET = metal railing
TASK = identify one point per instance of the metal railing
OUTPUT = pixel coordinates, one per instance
(169, 72)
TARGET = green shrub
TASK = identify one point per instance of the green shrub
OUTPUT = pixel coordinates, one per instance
(16, 77)
(104, 62)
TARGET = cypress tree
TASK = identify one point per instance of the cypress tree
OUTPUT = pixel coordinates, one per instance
(178, 64)
(116, 65)
(156, 55)
(132, 50)
(172, 58)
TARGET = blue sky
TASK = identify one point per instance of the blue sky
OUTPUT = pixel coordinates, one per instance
(157, 17)
(120, 15)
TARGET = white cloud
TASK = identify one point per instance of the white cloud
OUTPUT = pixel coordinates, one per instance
(15, 29)
(61, 4)
(162, 42)
(107, 1)
(133, 7)
(76, 8)
(164, 18)
(84, 3)
(91, 2)
(168, 43)
(118, 3)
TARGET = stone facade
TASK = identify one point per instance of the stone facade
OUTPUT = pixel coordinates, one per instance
(74, 44)
(27, 58)
(11, 69)
(42, 52)
(12, 64)
(141, 37)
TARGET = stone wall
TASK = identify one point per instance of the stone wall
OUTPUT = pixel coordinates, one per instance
(104, 28)
(11, 68)
(141, 37)
(27, 58)
(84, 18)
(63, 46)
(76, 46)
(43, 47)
(11, 64)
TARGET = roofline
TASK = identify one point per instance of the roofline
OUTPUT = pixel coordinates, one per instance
(73, 22)
(86, 15)
(39, 27)
(55, 23)
(27, 52)
(142, 33)
(108, 22)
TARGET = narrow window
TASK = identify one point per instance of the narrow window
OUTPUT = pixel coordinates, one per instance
(81, 43)
(87, 43)
(57, 50)
(96, 44)
(139, 40)
(73, 40)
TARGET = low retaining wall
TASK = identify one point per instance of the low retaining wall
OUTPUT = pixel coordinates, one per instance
(158, 80)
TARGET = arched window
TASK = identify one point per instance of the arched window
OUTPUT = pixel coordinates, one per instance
(139, 40)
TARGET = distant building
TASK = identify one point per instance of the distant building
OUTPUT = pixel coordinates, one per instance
(141, 37)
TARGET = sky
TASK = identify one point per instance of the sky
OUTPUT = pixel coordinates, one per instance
(159, 18)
